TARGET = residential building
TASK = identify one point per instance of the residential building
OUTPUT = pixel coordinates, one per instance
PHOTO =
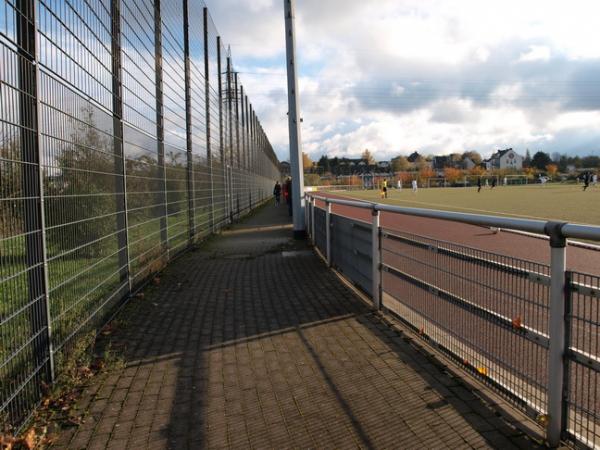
(504, 159)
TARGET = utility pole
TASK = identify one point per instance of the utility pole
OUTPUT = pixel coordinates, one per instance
(294, 122)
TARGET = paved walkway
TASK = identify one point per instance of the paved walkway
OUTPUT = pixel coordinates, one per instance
(252, 343)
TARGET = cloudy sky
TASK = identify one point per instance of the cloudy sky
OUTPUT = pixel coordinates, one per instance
(437, 76)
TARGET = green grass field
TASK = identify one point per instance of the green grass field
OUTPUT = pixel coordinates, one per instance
(556, 202)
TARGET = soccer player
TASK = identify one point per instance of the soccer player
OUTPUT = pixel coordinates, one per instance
(384, 189)
(586, 181)
(493, 182)
(479, 184)
(414, 186)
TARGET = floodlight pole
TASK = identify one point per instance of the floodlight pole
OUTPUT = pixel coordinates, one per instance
(294, 122)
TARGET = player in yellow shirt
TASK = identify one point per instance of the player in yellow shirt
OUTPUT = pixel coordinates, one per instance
(384, 189)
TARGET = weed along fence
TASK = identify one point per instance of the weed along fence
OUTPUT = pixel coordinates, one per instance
(530, 330)
(125, 137)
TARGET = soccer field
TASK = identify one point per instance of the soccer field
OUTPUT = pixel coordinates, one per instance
(555, 202)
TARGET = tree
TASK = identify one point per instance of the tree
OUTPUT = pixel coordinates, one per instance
(324, 163)
(477, 171)
(368, 158)
(87, 199)
(452, 175)
(400, 164)
(426, 172)
(306, 162)
(563, 163)
(312, 179)
(454, 158)
(530, 172)
(590, 161)
(404, 177)
(541, 160)
(551, 169)
(334, 164)
(527, 159)
(473, 156)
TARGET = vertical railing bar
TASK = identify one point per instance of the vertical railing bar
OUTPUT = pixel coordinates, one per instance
(556, 330)
(568, 295)
(312, 221)
(375, 258)
(188, 122)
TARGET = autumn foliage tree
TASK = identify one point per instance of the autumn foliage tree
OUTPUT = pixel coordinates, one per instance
(552, 170)
(452, 175)
(404, 177)
(368, 158)
(306, 162)
(426, 172)
(477, 171)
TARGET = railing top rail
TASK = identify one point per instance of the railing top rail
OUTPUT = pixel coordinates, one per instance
(338, 201)
(567, 230)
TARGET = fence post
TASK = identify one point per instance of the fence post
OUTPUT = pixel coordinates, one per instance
(32, 184)
(376, 258)
(328, 230)
(222, 131)
(188, 124)
(556, 329)
(207, 113)
(160, 127)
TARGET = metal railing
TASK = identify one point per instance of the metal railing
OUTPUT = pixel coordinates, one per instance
(125, 137)
(530, 330)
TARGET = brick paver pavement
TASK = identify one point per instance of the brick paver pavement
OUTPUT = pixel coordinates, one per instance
(268, 349)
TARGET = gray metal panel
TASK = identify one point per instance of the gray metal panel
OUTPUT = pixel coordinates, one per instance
(351, 250)
(320, 235)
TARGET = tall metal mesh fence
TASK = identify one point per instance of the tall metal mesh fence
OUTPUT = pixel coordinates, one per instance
(125, 137)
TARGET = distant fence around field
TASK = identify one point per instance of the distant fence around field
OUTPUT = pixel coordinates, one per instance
(125, 138)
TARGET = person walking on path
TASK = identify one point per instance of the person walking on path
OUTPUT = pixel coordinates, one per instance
(277, 193)
(288, 195)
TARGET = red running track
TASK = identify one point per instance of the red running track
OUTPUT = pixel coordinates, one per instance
(505, 243)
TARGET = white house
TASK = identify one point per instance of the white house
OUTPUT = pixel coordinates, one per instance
(504, 159)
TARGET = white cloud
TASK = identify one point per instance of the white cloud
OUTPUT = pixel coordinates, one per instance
(536, 53)
(434, 75)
